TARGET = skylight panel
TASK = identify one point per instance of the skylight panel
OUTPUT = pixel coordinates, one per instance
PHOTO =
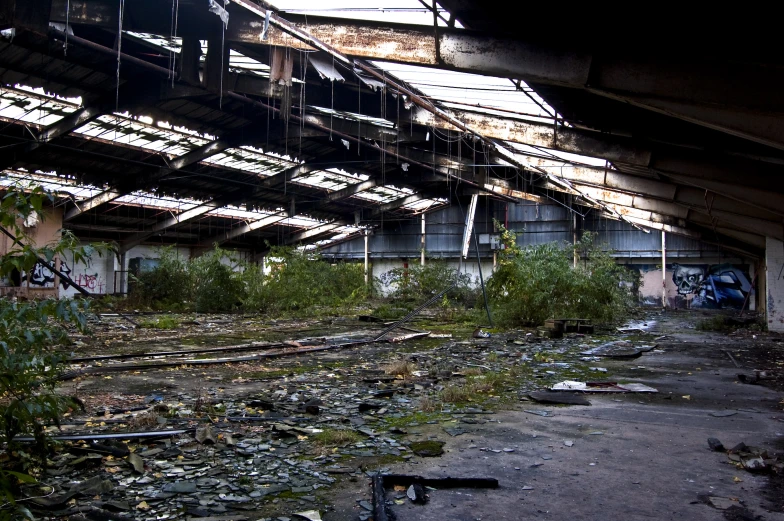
(392, 11)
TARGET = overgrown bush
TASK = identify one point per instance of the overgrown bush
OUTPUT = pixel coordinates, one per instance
(417, 283)
(167, 286)
(29, 367)
(217, 287)
(299, 280)
(218, 283)
(539, 282)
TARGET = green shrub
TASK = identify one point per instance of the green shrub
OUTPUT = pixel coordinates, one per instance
(167, 286)
(160, 323)
(418, 283)
(217, 287)
(29, 366)
(539, 282)
(300, 280)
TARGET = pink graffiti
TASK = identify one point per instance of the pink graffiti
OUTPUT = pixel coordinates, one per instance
(90, 282)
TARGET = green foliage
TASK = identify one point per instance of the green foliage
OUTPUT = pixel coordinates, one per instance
(539, 282)
(218, 283)
(217, 287)
(167, 286)
(299, 280)
(164, 322)
(29, 367)
(418, 283)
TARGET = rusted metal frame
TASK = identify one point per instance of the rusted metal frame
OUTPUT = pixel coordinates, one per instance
(165, 72)
(116, 436)
(360, 142)
(248, 227)
(386, 79)
(253, 346)
(292, 30)
(97, 370)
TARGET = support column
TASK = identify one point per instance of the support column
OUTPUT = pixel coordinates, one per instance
(664, 269)
(123, 273)
(575, 255)
(774, 277)
(367, 258)
(422, 243)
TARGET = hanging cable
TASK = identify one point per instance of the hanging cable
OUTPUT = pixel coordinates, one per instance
(119, 54)
(67, 21)
(223, 54)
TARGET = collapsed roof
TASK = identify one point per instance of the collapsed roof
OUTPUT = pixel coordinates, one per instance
(247, 124)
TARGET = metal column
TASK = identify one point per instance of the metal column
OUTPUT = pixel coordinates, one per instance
(422, 244)
(367, 257)
(664, 269)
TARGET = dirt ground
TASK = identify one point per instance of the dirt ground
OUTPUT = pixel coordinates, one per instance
(626, 456)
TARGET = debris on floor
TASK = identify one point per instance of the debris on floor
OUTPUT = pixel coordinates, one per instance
(558, 398)
(603, 387)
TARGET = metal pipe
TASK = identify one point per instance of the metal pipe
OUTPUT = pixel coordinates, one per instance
(422, 243)
(367, 257)
(664, 269)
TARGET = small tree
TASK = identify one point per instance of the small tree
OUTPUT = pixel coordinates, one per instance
(539, 282)
(29, 367)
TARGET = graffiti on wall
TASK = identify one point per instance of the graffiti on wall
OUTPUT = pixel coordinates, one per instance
(43, 277)
(716, 286)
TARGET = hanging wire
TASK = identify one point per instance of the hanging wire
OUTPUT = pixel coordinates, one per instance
(332, 102)
(119, 51)
(223, 53)
(67, 21)
(172, 50)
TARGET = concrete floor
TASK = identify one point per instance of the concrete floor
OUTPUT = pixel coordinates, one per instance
(633, 457)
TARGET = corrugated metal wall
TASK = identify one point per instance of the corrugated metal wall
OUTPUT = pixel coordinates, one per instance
(535, 224)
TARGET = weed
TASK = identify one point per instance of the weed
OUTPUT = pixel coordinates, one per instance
(456, 393)
(165, 322)
(492, 357)
(145, 420)
(428, 404)
(400, 368)
(331, 438)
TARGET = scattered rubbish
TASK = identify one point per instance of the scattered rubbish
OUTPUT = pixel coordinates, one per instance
(205, 435)
(568, 443)
(732, 358)
(558, 398)
(416, 493)
(528, 487)
(310, 515)
(603, 387)
(480, 333)
(136, 462)
(381, 481)
(544, 414)
(756, 378)
(715, 445)
(619, 349)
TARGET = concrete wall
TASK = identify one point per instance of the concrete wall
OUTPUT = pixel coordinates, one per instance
(719, 283)
(470, 267)
(774, 267)
(40, 282)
